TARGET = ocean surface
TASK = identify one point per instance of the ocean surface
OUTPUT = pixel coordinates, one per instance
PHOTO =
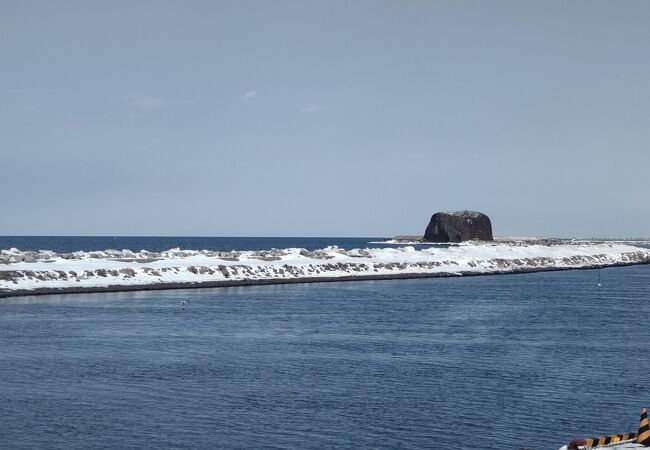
(493, 362)
(156, 244)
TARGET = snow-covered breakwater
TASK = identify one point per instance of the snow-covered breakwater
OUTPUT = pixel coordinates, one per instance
(25, 273)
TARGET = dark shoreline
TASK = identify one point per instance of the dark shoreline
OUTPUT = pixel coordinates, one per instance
(237, 283)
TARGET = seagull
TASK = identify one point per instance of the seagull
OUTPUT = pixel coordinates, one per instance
(185, 302)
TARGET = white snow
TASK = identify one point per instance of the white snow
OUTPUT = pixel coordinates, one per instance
(45, 269)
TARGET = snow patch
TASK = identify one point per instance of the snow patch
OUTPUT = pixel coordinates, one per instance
(24, 271)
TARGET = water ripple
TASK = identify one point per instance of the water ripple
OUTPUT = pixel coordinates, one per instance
(508, 362)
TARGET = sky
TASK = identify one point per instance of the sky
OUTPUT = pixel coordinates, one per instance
(328, 118)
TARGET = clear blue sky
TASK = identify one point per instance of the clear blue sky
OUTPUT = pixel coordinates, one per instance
(331, 118)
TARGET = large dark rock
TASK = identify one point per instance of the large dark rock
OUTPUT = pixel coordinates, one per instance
(458, 226)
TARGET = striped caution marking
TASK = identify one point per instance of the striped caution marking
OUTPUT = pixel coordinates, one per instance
(643, 436)
(640, 437)
(612, 439)
(604, 440)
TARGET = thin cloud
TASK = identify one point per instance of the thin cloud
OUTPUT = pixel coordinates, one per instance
(310, 109)
(145, 102)
(248, 95)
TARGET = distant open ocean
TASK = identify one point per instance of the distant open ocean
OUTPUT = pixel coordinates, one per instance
(493, 362)
(158, 243)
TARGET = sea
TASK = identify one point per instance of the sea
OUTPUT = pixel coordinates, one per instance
(526, 361)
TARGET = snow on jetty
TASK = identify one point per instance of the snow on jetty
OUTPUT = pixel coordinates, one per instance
(25, 273)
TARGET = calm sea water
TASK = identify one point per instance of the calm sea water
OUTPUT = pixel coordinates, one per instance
(157, 244)
(494, 362)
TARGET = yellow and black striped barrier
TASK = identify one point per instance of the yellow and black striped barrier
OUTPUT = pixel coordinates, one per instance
(600, 440)
(641, 437)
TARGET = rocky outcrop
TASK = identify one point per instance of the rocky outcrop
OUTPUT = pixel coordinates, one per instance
(458, 226)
